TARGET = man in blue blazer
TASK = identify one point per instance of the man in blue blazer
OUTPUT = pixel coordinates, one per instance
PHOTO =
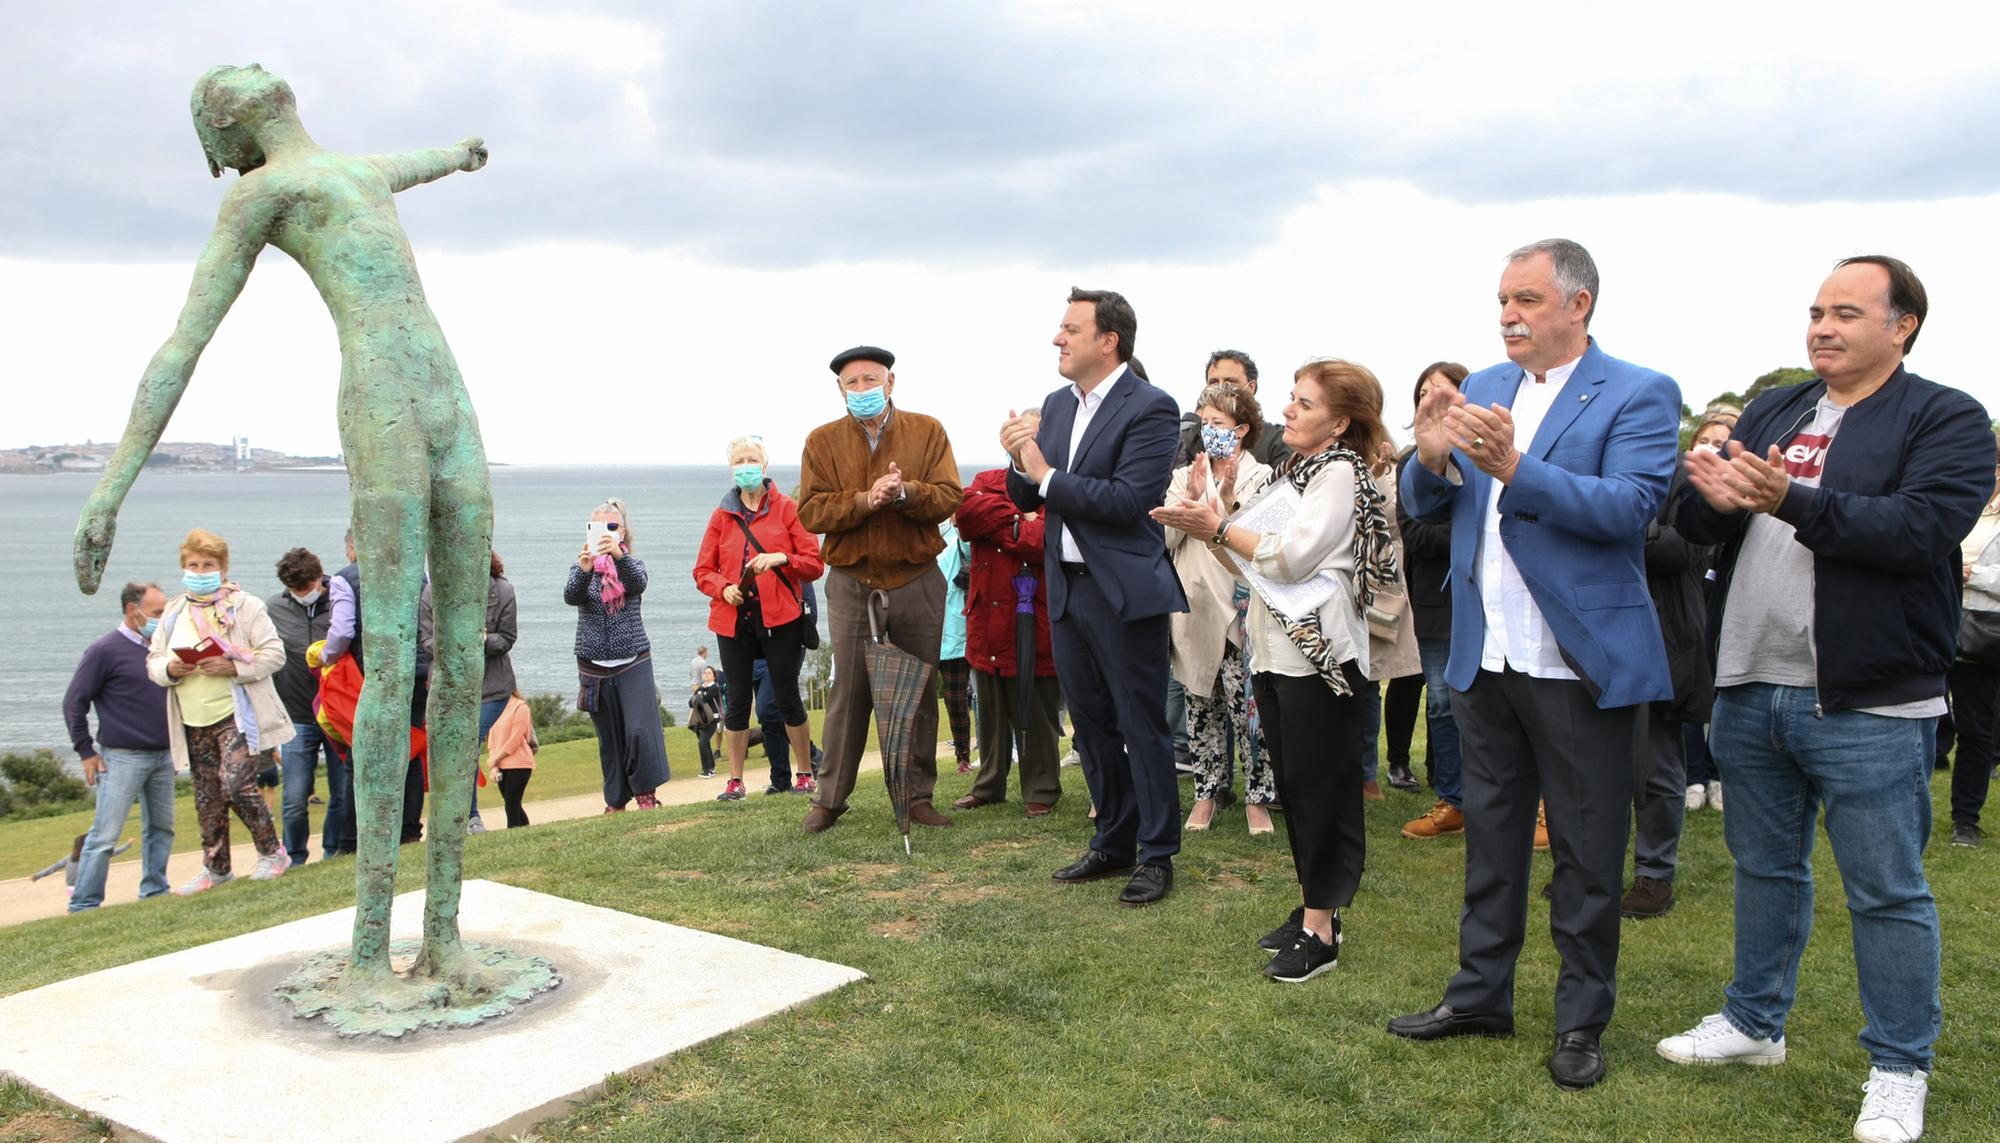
(1549, 468)
(1097, 460)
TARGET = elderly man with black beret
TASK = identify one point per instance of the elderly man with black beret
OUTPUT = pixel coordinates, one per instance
(876, 484)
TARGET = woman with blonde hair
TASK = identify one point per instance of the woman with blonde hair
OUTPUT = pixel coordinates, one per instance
(754, 563)
(1312, 661)
(1207, 648)
(614, 661)
(215, 651)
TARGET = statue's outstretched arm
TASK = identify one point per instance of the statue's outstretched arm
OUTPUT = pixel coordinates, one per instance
(412, 167)
(219, 276)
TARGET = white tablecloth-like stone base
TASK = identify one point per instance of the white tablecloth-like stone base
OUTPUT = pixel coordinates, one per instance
(193, 1047)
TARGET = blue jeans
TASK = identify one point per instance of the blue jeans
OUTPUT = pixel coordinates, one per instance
(299, 758)
(143, 776)
(1872, 774)
(1177, 717)
(489, 713)
(1440, 728)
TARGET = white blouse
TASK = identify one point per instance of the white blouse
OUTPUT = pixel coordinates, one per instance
(1320, 538)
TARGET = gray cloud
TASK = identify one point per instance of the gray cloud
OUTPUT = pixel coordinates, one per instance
(776, 134)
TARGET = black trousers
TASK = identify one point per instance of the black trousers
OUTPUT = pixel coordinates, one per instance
(1402, 698)
(1315, 741)
(779, 648)
(1975, 698)
(1523, 740)
(514, 783)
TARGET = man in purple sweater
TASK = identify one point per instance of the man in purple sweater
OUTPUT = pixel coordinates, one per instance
(129, 761)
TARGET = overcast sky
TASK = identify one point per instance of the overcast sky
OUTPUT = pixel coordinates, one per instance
(690, 207)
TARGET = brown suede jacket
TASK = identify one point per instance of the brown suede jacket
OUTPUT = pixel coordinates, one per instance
(882, 547)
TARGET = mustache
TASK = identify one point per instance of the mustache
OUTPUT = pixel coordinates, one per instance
(1518, 329)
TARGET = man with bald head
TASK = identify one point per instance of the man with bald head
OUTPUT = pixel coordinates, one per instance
(1834, 627)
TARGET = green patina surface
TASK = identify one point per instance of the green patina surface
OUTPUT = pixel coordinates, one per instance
(499, 981)
(416, 467)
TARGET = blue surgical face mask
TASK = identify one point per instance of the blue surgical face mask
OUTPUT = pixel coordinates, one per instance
(1219, 443)
(869, 403)
(747, 476)
(149, 626)
(208, 583)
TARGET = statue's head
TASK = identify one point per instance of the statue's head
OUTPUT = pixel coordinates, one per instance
(230, 104)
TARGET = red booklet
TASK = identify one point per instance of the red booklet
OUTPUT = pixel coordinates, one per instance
(206, 649)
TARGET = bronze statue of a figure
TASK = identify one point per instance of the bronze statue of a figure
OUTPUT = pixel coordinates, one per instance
(417, 473)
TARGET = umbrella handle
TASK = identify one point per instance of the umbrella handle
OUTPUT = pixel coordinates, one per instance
(875, 628)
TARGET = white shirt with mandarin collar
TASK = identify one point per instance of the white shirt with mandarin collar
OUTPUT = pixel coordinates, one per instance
(1516, 633)
(1087, 405)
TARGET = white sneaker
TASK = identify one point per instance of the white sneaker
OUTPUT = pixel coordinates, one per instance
(1715, 795)
(1072, 759)
(272, 867)
(475, 825)
(1716, 1041)
(203, 882)
(1892, 1107)
(1697, 796)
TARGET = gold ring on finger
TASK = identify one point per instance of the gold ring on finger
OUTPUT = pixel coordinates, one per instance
(1478, 442)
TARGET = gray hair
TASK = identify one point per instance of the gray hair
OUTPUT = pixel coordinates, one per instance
(1575, 272)
(615, 505)
(749, 441)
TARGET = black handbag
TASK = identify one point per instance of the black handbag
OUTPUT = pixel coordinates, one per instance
(808, 602)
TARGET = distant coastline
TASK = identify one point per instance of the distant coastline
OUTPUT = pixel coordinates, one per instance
(170, 456)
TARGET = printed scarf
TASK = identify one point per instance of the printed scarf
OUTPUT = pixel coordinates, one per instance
(610, 588)
(1374, 557)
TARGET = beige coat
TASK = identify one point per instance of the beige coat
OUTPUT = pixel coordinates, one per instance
(257, 698)
(1201, 632)
(1386, 659)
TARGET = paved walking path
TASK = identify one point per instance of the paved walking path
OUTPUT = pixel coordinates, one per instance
(24, 900)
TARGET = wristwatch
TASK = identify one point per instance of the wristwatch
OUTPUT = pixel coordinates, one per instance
(902, 498)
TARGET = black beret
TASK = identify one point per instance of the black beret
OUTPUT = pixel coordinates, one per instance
(862, 353)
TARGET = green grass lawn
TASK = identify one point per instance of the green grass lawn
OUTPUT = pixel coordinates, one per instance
(1000, 1006)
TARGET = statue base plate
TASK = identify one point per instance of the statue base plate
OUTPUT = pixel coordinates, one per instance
(161, 1048)
(407, 1002)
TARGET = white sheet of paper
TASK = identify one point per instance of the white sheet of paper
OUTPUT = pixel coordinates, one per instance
(1271, 512)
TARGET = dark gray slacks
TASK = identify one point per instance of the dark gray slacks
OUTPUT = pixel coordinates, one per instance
(999, 716)
(1523, 740)
(1660, 809)
(916, 624)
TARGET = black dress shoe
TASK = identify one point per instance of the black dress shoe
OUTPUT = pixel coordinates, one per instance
(1401, 778)
(1578, 1061)
(1092, 866)
(1445, 1021)
(1149, 884)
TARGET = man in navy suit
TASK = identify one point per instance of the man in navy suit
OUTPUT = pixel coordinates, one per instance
(1549, 468)
(1096, 461)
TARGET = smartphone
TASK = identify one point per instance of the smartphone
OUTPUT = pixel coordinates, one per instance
(593, 530)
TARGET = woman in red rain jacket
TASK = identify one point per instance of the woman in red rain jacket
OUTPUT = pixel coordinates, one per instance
(755, 560)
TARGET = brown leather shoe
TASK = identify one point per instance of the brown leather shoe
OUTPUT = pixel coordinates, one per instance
(1648, 897)
(923, 813)
(1038, 810)
(1542, 827)
(1441, 820)
(1372, 790)
(968, 802)
(819, 819)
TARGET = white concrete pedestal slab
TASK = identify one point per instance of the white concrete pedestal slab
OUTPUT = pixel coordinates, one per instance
(193, 1047)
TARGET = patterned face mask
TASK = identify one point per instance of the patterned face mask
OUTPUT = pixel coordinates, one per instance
(1218, 442)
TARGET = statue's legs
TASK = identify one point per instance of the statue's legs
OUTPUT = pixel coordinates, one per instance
(461, 536)
(391, 509)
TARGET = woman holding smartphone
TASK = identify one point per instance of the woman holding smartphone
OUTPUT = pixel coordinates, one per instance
(1312, 666)
(215, 651)
(614, 660)
(754, 563)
